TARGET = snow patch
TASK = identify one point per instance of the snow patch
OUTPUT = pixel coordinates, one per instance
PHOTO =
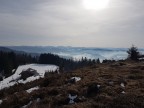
(32, 89)
(1, 102)
(72, 99)
(38, 99)
(76, 79)
(25, 106)
(13, 70)
(15, 78)
(123, 92)
(98, 86)
(122, 85)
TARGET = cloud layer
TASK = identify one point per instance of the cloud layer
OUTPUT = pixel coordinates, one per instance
(68, 23)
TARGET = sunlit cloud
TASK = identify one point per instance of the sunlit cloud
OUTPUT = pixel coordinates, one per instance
(68, 23)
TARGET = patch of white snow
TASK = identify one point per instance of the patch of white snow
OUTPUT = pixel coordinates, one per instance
(123, 92)
(25, 106)
(122, 85)
(40, 68)
(98, 86)
(13, 70)
(32, 89)
(72, 99)
(76, 78)
(38, 99)
(1, 101)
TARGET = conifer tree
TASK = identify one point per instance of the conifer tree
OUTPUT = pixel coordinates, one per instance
(133, 53)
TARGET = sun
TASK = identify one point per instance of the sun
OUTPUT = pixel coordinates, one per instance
(95, 4)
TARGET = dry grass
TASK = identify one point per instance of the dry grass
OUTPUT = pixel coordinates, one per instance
(54, 88)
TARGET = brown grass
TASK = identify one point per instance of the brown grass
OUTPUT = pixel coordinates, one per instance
(54, 88)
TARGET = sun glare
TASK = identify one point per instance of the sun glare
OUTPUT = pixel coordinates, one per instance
(95, 4)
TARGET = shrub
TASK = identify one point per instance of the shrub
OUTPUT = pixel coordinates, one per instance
(133, 53)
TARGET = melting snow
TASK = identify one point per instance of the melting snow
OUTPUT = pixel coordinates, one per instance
(123, 92)
(1, 101)
(72, 99)
(38, 99)
(32, 89)
(122, 85)
(76, 79)
(40, 68)
(25, 106)
(13, 70)
(98, 86)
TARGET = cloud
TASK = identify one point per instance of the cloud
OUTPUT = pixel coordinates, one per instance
(66, 22)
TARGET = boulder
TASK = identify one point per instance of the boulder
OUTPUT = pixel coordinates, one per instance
(93, 89)
(28, 73)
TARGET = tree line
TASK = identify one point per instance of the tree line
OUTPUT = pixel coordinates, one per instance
(66, 64)
(11, 60)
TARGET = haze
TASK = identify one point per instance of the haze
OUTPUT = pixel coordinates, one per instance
(69, 23)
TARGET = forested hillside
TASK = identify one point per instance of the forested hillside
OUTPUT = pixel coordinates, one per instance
(10, 61)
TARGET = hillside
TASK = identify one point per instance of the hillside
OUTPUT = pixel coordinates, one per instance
(6, 49)
(109, 85)
(27, 73)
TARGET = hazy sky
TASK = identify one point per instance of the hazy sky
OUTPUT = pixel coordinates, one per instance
(69, 23)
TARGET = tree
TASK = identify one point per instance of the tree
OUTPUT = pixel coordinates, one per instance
(133, 53)
(98, 61)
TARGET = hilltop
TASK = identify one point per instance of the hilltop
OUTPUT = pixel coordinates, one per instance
(106, 85)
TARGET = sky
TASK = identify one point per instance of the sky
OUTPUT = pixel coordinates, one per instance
(69, 23)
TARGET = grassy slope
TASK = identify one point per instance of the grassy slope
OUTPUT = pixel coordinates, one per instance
(54, 88)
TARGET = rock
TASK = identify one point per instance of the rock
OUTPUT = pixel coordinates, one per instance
(122, 64)
(28, 73)
(1, 78)
(71, 81)
(93, 89)
(74, 80)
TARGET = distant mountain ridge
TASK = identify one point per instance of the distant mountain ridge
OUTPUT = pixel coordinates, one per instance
(5, 49)
(76, 52)
(42, 49)
(8, 49)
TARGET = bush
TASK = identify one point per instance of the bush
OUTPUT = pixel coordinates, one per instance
(133, 53)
